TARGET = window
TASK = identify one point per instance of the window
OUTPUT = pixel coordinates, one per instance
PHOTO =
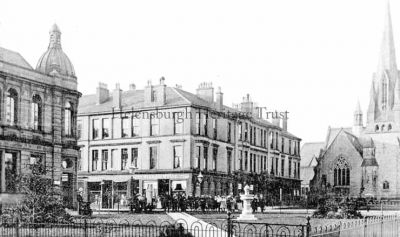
(134, 154)
(135, 128)
(153, 126)
(271, 140)
(178, 123)
(124, 158)
(283, 167)
(265, 163)
(114, 157)
(177, 157)
(116, 128)
(276, 165)
(104, 159)
(37, 158)
(376, 128)
(196, 162)
(245, 161)
(241, 160)
(229, 160)
(341, 172)
(79, 132)
(10, 171)
(272, 166)
(251, 135)
(290, 147)
(36, 112)
(205, 157)
(298, 172)
(254, 163)
(385, 185)
(96, 128)
(389, 127)
(251, 162)
(79, 160)
(276, 140)
(153, 157)
(265, 138)
(105, 128)
(229, 131)
(12, 107)
(282, 145)
(198, 123)
(384, 93)
(290, 167)
(246, 127)
(215, 154)
(95, 158)
(205, 124)
(214, 126)
(125, 127)
(68, 119)
(240, 130)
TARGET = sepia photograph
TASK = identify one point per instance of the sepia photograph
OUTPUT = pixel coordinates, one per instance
(182, 118)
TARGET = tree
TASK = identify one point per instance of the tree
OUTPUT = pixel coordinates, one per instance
(42, 201)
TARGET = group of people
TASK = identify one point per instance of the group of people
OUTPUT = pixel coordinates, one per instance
(180, 203)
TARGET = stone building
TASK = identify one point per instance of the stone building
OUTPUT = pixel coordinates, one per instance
(158, 140)
(365, 160)
(38, 110)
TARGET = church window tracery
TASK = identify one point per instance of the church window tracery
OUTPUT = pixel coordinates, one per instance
(341, 172)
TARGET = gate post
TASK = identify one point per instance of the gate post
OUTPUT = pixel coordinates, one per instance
(229, 224)
(308, 227)
(85, 228)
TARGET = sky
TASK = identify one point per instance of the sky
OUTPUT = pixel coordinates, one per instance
(312, 58)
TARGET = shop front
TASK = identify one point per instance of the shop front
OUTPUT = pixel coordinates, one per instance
(114, 192)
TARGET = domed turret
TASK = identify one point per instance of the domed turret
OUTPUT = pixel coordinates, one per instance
(54, 59)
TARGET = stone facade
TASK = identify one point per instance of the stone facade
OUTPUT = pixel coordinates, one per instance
(34, 120)
(125, 151)
(371, 153)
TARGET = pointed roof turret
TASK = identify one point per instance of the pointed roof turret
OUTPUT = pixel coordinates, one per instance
(387, 57)
(358, 108)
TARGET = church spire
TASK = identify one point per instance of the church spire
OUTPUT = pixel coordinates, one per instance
(387, 57)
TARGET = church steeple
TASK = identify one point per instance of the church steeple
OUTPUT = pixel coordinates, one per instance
(383, 96)
(387, 59)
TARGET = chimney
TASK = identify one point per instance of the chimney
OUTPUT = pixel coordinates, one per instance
(206, 92)
(102, 93)
(148, 93)
(117, 96)
(161, 92)
(132, 87)
(247, 105)
(284, 123)
(220, 100)
(276, 121)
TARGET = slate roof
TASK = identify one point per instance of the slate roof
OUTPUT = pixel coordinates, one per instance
(15, 58)
(332, 133)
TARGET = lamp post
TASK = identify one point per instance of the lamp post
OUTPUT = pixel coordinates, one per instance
(199, 181)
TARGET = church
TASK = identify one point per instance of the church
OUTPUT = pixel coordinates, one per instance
(364, 161)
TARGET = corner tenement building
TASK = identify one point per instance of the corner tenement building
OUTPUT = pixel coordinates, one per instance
(157, 141)
(38, 110)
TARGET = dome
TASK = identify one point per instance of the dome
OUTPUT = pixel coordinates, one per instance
(54, 59)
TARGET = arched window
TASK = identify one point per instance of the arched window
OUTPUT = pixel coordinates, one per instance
(383, 128)
(389, 127)
(36, 112)
(68, 119)
(12, 107)
(376, 128)
(341, 173)
(385, 185)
